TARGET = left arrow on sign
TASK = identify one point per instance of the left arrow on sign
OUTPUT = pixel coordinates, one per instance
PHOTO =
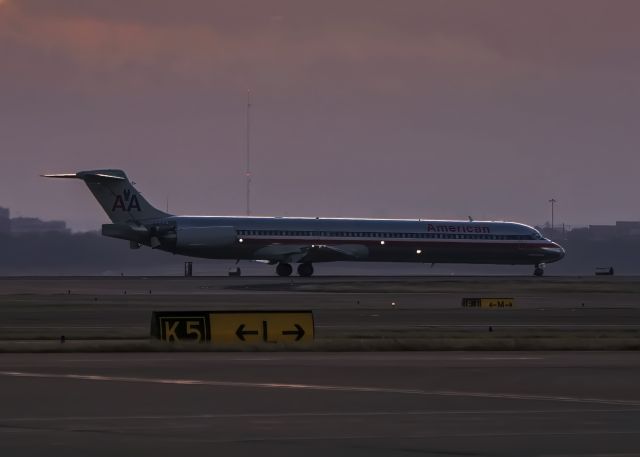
(299, 331)
(241, 332)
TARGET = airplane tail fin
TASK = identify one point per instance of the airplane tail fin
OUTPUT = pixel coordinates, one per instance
(117, 196)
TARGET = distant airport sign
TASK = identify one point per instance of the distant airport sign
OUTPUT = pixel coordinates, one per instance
(234, 328)
(492, 303)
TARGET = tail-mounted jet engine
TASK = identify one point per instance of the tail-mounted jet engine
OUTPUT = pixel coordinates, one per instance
(213, 236)
(156, 236)
(171, 236)
(162, 236)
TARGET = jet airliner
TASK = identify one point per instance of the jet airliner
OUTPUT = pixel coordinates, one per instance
(283, 241)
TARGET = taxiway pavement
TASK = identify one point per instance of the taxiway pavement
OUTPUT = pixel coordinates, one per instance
(318, 404)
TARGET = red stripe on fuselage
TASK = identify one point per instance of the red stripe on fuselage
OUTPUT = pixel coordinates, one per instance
(397, 241)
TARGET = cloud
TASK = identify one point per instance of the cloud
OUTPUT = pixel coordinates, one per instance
(513, 29)
(84, 47)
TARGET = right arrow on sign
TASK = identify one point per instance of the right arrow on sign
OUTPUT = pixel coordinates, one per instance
(241, 332)
(299, 331)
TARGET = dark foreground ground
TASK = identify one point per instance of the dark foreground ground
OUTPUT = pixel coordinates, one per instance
(454, 403)
(319, 404)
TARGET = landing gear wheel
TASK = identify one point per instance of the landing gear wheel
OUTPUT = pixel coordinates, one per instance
(284, 269)
(539, 271)
(305, 269)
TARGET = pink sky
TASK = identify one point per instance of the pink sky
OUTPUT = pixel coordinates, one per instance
(367, 108)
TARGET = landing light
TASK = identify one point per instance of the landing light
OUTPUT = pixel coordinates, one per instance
(419, 251)
(240, 240)
(382, 242)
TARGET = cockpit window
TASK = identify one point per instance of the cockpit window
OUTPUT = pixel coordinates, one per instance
(537, 236)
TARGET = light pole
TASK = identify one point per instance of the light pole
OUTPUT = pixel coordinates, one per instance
(553, 204)
(247, 173)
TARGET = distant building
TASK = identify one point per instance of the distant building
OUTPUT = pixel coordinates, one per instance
(622, 230)
(35, 225)
(557, 233)
(602, 232)
(579, 234)
(5, 221)
(628, 229)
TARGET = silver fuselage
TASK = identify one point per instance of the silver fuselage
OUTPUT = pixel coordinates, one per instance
(286, 240)
(274, 239)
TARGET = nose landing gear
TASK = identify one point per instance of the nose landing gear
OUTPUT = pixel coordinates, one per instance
(539, 270)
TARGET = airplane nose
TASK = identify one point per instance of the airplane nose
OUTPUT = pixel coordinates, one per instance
(556, 252)
(553, 253)
(561, 252)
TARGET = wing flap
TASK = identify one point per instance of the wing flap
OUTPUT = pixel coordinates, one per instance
(312, 253)
(330, 253)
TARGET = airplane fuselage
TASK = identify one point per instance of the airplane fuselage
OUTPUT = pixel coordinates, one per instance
(284, 240)
(380, 240)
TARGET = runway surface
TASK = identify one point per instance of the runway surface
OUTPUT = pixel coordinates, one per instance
(120, 307)
(318, 404)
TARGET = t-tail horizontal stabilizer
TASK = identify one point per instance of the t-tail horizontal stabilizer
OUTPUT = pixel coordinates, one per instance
(87, 175)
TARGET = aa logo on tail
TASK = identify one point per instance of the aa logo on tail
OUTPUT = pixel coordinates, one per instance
(126, 202)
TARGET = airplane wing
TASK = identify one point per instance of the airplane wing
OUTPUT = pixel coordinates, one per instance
(312, 253)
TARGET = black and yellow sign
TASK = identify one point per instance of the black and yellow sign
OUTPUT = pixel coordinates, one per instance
(224, 328)
(261, 327)
(492, 303)
(191, 326)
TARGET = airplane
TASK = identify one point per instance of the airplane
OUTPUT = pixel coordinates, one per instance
(283, 241)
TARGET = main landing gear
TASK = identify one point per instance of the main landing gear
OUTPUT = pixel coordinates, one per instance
(285, 269)
(539, 270)
(305, 269)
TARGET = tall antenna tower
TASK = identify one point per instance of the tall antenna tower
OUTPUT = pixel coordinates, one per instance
(247, 172)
